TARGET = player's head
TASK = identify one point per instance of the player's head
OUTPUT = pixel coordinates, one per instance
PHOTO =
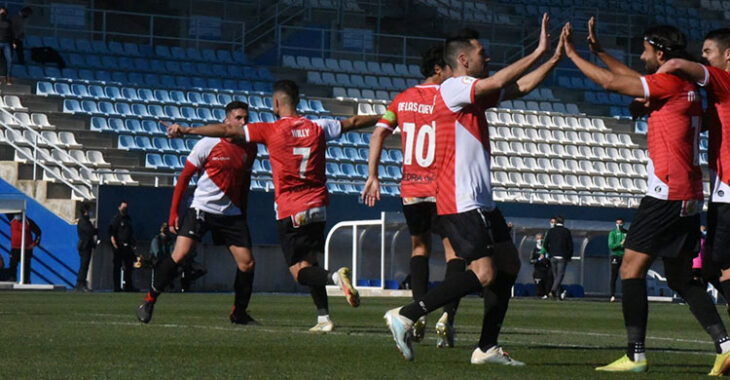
(619, 221)
(286, 94)
(236, 113)
(123, 207)
(716, 48)
(85, 208)
(560, 220)
(433, 66)
(465, 54)
(662, 43)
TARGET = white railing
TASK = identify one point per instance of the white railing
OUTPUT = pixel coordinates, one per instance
(355, 225)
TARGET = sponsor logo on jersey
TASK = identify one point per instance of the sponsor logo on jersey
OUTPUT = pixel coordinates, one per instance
(219, 158)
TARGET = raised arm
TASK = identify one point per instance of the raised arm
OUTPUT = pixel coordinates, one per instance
(613, 64)
(527, 83)
(359, 122)
(624, 84)
(180, 188)
(688, 69)
(212, 130)
(509, 74)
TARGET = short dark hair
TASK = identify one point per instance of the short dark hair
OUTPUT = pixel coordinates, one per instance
(457, 42)
(560, 219)
(234, 105)
(288, 88)
(668, 39)
(85, 207)
(434, 56)
(620, 218)
(721, 37)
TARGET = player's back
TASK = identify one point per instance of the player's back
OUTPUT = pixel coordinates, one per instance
(673, 138)
(414, 111)
(717, 118)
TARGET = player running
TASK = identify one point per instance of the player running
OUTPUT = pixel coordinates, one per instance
(715, 78)
(219, 205)
(297, 149)
(667, 223)
(468, 216)
(412, 110)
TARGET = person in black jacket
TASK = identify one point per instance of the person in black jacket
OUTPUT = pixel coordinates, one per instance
(87, 242)
(559, 246)
(18, 23)
(123, 244)
(6, 43)
(541, 274)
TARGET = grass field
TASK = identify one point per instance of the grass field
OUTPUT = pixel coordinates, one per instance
(96, 335)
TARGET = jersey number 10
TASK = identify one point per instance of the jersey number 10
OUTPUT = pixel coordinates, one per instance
(424, 154)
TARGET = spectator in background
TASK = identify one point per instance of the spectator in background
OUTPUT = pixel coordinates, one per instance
(123, 244)
(616, 239)
(559, 246)
(541, 273)
(544, 251)
(162, 244)
(87, 242)
(6, 43)
(18, 23)
(32, 239)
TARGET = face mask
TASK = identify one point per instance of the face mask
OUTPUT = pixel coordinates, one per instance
(619, 226)
(704, 233)
(552, 225)
(538, 243)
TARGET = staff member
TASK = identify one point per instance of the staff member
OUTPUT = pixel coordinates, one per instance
(124, 244)
(559, 245)
(16, 234)
(87, 242)
(616, 239)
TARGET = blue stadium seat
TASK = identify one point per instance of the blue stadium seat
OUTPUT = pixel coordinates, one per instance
(136, 78)
(210, 99)
(36, 72)
(193, 54)
(351, 154)
(146, 95)
(393, 171)
(250, 73)
(173, 112)
(397, 156)
(89, 106)
(199, 83)
(130, 94)
(244, 85)
(363, 154)
(382, 173)
(117, 125)
(156, 111)
(188, 68)
(167, 81)
(44, 88)
(119, 77)
(140, 110)
(144, 143)
(154, 161)
(116, 48)
(334, 153)
(69, 73)
(51, 42)
(577, 82)
(123, 109)
(102, 76)
(235, 71)
(134, 126)
(83, 46)
(219, 114)
(161, 144)
(52, 72)
(152, 127)
(316, 106)
(590, 97)
(190, 143)
(205, 114)
(63, 89)
(355, 139)
(99, 124)
(131, 49)
(265, 74)
(106, 108)
(257, 103)
(96, 92)
(303, 106)
(178, 97)
(163, 51)
(125, 142)
(80, 91)
(195, 98)
(362, 170)
(33, 41)
(204, 69)
(269, 102)
(334, 188)
(209, 55)
(162, 96)
(240, 57)
(219, 70)
(224, 56)
(332, 170)
(263, 87)
(110, 62)
(348, 170)
(253, 117)
(94, 61)
(224, 99)
(188, 113)
(230, 84)
(267, 117)
(173, 67)
(602, 98)
(152, 80)
(157, 66)
(178, 145)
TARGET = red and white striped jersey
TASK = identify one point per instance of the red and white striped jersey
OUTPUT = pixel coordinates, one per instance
(717, 83)
(224, 170)
(412, 109)
(675, 120)
(462, 147)
(297, 150)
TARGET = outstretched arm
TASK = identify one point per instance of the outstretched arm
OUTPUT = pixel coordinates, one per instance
(180, 188)
(212, 130)
(624, 84)
(527, 83)
(614, 65)
(359, 122)
(509, 74)
(692, 70)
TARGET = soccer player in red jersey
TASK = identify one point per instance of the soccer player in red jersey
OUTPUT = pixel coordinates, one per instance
(412, 110)
(468, 216)
(297, 149)
(715, 78)
(667, 223)
(219, 205)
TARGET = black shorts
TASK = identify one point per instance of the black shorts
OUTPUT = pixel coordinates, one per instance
(228, 230)
(717, 244)
(420, 217)
(664, 229)
(474, 233)
(303, 243)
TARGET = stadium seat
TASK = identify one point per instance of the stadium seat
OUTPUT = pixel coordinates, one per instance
(125, 142)
(154, 161)
(71, 106)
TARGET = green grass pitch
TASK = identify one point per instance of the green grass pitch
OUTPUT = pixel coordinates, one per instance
(96, 335)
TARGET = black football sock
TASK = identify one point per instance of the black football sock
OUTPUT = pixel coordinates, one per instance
(725, 289)
(314, 276)
(496, 302)
(636, 312)
(452, 267)
(419, 276)
(451, 289)
(319, 296)
(243, 287)
(165, 273)
(702, 307)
